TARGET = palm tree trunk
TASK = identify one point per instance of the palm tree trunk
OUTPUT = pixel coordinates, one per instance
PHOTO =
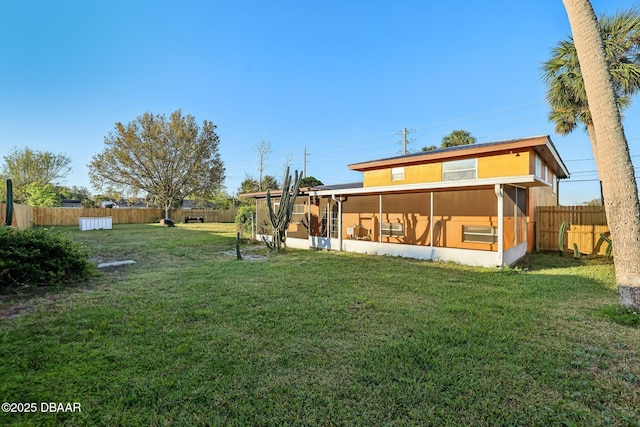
(591, 132)
(614, 162)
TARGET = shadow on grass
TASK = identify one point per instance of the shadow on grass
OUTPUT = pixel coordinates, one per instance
(545, 260)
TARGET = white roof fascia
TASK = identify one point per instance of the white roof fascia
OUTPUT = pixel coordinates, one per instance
(556, 156)
(522, 179)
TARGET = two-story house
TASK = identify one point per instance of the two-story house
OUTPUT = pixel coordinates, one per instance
(471, 204)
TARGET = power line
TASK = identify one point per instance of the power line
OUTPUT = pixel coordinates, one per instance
(481, 114)
(583, 160)
(571, 181)
(513, 107)
(404, 132)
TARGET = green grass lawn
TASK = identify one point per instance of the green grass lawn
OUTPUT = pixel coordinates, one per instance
(191, 336)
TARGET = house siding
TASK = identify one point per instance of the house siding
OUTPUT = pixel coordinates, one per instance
(414, 174)
(504, 165)
(521, 163)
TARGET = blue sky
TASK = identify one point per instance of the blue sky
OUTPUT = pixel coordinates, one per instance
(342, 78)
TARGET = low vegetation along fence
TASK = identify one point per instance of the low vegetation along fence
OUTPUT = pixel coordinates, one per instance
(25, 216)
(585, 224)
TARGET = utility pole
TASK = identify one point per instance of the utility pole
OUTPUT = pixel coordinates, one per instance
(406, 141)
(305, 161)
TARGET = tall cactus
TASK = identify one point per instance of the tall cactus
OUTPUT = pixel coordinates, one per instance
(563, 228)
(280, 220)
(9, 211)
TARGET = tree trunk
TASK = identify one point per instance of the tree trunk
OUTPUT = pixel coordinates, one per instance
(613, 160)
(591, 131)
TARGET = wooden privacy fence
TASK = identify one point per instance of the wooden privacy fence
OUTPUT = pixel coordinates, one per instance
(25, 216)
(584, 226)
(21, 215)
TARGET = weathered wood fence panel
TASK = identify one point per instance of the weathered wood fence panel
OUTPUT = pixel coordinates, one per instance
(584, 226)
(221, 215)
(21, 215)
(71, 216)
(25, 216)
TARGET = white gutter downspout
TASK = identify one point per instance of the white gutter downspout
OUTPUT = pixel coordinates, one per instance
(333, 196)
(499, 195)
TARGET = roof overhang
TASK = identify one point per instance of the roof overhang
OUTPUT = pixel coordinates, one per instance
(274, 193)
(518, 181)
(542, 145)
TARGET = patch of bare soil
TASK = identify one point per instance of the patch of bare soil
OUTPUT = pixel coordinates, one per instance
(15, 311)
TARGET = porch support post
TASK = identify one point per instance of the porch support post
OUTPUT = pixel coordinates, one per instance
(340, 224)
(431, 222)
(339, 201)
(328, 236)
(254, 229)
(309, 218)
(515, 219)
(380, 220)
(499, 194)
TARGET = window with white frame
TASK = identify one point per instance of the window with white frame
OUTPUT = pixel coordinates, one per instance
(479, 234)
(554, 183)
(397, 174)
(297, 214)
(458, 170)
(538, 171)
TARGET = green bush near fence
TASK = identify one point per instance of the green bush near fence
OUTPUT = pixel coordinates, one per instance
(244, 219)
(38, 256)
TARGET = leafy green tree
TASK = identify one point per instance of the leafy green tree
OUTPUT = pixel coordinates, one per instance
(309, 181)
(269, 182)
(458, 137)
(76, 193)
(593, 202)
(222, 200)
(44, 196)
(167, 158)
(249, 185)
(26, 166)
(429, 148)
(566, 93)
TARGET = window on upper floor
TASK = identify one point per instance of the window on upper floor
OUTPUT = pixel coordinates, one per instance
(457, 170)
(397, 174)
(554, 183)
(539, 167)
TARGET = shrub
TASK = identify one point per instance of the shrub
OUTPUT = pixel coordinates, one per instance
(243, 219)
(37, 256)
